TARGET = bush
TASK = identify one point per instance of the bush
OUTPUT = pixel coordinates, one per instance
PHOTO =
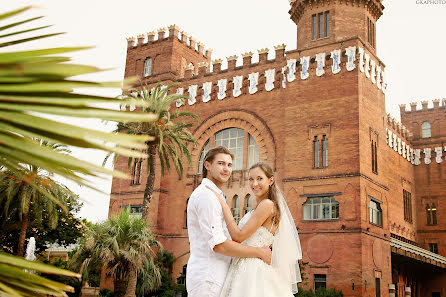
(106, 293)
(321, 292)
(182, 289)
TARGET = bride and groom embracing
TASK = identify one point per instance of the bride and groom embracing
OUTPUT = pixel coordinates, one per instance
(216, 239)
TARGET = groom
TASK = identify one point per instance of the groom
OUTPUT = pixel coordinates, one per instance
(211, 247)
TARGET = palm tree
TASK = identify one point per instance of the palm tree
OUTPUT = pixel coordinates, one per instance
(170, 134)
(126, 247)
(29, 191)
(35, 85)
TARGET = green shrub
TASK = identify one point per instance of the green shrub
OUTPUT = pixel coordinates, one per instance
(106, 293)
(321, 292)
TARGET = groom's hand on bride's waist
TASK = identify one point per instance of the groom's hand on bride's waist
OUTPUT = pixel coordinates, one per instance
(265, 254)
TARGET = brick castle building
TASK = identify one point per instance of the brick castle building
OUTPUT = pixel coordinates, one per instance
(367, 193)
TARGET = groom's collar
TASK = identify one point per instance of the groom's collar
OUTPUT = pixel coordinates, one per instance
(210, 184)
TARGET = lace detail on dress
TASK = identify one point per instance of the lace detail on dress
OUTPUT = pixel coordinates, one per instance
(251, 277)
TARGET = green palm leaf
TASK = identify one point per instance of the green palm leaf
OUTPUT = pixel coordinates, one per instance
(14, 281)
(170, 133)
(35, 85)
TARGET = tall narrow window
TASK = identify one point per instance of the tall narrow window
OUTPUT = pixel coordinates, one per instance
(431, 214)
(374, 156)
(320, 281)
(248, 203)
(185, 214)
(235, 208)
(407, 197)
(321, 25)
(316, 152)
(375, 213)
(136, 172)
(202, 155)
(426, 130)
(433, 247)
(378, 287)
(324, 151)
(370, 32)
(253, 151)
(327, 24)
(428, 215)
(368, 29)
(434, 214)
(314, 26)
(148, 67)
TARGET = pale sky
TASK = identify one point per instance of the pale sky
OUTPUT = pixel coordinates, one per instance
(410, 42)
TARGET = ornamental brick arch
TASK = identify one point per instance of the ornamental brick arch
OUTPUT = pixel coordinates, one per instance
(243, 119)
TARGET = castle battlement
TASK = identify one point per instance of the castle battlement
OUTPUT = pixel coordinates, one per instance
(164, 34)
(268, 75)
(397, 128)
(424, 106)
(398, 139)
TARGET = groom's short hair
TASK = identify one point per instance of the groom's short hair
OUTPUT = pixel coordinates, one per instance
(210, 156)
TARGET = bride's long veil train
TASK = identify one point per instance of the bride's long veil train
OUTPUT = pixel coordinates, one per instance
(286, 247)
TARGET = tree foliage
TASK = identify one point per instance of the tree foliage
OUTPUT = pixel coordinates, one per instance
(67, 231)
(126, 247)
(169, 134)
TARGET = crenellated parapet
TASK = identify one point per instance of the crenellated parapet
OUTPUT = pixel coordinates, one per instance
(274, 74)
(164, 34)
(436, 103)
(398, 138)
(398, 128)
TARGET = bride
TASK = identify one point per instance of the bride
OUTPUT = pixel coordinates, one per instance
(270, 223)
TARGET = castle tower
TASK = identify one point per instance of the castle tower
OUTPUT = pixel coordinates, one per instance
(166, 57)
(322, 22)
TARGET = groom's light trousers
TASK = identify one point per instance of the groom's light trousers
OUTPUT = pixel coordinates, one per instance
(207, 289)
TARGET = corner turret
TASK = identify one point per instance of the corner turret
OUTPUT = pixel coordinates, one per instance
(321, 22)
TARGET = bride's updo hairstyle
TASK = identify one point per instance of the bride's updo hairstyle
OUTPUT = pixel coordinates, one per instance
(272, 191)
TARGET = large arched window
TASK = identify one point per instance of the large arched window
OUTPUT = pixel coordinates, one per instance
(148, 67)
(235, 208)
(426, 130)
(248, 203)
(203, 153)
(234, 140)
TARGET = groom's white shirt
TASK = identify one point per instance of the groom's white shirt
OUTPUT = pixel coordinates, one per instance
(207, 228)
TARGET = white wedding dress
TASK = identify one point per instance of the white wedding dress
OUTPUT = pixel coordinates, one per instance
(251, 277)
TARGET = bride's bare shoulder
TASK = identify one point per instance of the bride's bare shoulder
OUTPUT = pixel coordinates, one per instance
(266, 204)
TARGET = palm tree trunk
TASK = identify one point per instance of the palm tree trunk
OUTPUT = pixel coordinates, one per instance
(119, 285)
(23, 229)
(148, 191)
(131, 285)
